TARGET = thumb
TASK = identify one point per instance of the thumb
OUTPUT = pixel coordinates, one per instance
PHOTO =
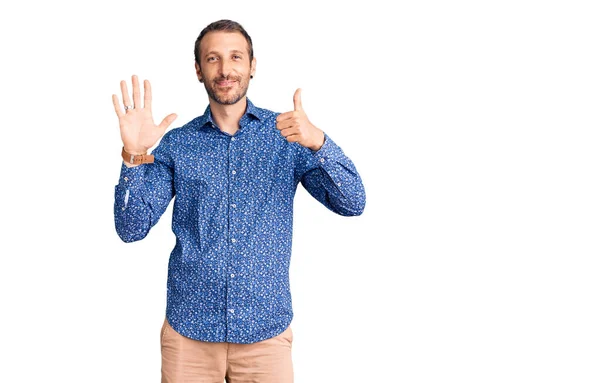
(167, 121)
(297, 101)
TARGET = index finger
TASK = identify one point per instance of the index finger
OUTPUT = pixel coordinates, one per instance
(284, 116)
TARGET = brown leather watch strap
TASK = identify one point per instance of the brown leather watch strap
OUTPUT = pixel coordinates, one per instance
(137, 159)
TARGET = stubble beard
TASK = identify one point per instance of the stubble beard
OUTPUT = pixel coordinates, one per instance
(211, 90)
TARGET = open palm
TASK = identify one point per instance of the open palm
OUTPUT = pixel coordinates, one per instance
(138, 130)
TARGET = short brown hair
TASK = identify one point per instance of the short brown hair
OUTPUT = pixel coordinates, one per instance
(226, 26)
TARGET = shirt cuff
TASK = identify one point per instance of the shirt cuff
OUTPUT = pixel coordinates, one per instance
(131, 177)
(329, 151)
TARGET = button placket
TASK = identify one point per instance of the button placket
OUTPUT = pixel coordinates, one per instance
(232, 223)
(231, 186)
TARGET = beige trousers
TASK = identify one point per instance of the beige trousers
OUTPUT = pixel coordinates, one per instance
(188, 360)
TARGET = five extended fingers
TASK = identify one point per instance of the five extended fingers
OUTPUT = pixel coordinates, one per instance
(138, 130)
(137, 103)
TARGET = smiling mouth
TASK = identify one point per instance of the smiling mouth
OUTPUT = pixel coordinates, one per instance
(225, 83)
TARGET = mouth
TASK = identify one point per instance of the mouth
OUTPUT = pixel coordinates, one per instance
(225, 83)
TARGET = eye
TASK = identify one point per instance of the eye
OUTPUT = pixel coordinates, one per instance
(211, 59)
(237, 57)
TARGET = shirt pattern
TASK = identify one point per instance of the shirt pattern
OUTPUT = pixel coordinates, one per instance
(228, 275)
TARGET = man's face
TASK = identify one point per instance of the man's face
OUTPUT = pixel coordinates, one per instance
(225, 66)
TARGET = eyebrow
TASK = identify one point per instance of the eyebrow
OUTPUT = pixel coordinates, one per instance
(218, 53)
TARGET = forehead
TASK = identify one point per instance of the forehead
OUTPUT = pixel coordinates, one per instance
(223, 41)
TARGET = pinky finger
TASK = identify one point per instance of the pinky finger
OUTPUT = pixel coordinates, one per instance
(117, 105)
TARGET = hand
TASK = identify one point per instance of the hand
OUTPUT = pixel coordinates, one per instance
(138, 130)
(295, 127)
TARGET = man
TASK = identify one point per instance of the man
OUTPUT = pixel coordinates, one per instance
(234, 172)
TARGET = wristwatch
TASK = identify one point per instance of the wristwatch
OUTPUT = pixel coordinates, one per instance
(137, 159)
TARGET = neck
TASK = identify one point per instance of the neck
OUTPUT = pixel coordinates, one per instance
(228, 117)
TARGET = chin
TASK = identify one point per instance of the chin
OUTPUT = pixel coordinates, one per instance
(227, 100)
(228, 96)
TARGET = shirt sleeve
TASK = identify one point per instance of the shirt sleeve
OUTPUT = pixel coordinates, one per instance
(331, 178)
(143, 194)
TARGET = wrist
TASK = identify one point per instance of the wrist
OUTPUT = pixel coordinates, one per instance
(135, 152)
(136, 159)
(318, 142)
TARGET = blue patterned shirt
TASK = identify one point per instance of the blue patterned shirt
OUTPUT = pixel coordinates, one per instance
(228, 277)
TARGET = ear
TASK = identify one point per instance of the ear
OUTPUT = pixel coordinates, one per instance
(198, 71)
(253, 66)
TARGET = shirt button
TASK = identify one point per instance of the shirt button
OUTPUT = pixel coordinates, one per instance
(339, 184)
(232, 138)
(122, 208)
(233, 240)
(233, 172)
(233, 205)
(231, 311)
(322, 160)
(232, 275)
(126, 179)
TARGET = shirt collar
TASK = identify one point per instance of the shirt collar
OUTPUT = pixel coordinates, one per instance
(251, 111)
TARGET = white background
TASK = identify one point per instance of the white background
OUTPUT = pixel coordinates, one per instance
(474, 125)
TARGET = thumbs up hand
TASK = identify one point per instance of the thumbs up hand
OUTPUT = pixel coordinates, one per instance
(296, 127)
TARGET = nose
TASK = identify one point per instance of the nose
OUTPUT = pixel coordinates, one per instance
(225, 68)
